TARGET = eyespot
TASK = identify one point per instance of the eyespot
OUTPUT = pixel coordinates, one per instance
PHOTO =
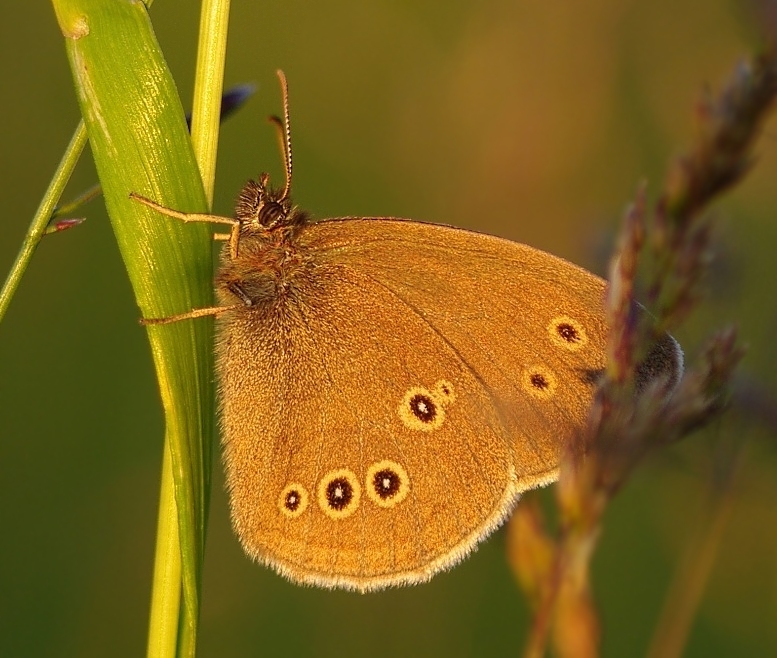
(421, 409)
(539, 382)
(387, 483)
(339, 493)
(293, 500)
(567, 333)
(444, 391)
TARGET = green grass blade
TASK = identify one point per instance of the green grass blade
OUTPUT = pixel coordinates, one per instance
(42, 216)
(140, 143)
(208, 86)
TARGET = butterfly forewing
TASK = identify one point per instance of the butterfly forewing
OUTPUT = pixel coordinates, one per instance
(529, 326)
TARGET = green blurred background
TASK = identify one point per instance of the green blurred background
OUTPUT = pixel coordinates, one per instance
(532, 120)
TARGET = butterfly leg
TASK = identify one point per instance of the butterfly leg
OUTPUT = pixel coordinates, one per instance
(190, 315)
(234, 235)
(191, 217)
(184, 216)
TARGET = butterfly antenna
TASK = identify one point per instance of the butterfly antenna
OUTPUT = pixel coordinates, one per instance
(285, 133)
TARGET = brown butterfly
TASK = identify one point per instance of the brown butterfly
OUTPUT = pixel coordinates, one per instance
(388, 388)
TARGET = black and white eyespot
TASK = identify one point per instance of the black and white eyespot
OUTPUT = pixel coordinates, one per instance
(387, 483)
(424, 409)
(420, 409)
(567, 333)
(339, 493)
(445, 392)
(539, 382)
(293, 500)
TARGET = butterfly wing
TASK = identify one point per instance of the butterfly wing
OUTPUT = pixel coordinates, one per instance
(383, 416)
(360, 450)
(528, 325)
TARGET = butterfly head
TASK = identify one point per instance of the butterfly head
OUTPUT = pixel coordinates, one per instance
(261, 208)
